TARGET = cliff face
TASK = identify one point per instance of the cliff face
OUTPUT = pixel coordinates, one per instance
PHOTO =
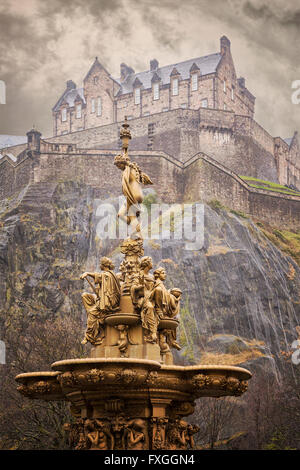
(240, 302)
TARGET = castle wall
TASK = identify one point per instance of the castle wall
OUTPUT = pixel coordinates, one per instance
(14, 176)
(201, 178)
(207, 180)
(98, 170)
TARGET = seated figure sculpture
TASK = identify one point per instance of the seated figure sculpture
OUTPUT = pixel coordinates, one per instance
(141, 293)
(166, 304)
(166, 301)
(105, 300)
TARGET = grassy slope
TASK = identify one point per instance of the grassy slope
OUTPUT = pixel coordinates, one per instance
(268, 185)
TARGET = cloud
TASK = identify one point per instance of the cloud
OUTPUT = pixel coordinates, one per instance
(43, 44)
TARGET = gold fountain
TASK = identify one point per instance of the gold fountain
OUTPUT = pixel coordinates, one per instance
(128, 395)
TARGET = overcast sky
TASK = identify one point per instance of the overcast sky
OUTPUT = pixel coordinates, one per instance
(44, 43)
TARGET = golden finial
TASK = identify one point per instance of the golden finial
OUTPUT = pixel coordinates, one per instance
(125, 135)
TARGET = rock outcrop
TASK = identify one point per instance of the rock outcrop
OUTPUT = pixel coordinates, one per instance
(241, 294)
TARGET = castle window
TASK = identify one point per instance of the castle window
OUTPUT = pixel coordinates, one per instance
(232, 93)
(150, 136)
(78, 111)
(204, 103)
(96, 80)
(150, 129)
(64, 114)
(99, 106)
(194, 82)
(175, 86)
(224, 86)
(137, 96)
(93, 105)
(156, 91)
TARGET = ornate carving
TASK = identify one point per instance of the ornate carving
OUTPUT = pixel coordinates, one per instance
(67, 379)
(95, 376)
(200, 381)
(124, 339)
(41, 387)
(75, 434)
(136, 435)
(115, 405)
(25, 390)
(105, 300)
(131, 247)
(127, 376)
(179, 434)
(98, 435)
(152, 378)
(158, 426)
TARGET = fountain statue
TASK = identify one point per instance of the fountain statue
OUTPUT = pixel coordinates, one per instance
(129, 395)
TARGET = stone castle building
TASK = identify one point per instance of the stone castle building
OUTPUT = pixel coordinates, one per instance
(204, 82)
(193, 121)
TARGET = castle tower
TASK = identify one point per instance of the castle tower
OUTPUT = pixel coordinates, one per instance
(33, 140)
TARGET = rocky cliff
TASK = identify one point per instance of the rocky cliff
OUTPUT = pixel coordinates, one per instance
(240, 291)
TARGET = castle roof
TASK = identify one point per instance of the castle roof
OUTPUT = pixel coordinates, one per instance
(69, 97)
(288, 140)
(11, 140)
(207, 64)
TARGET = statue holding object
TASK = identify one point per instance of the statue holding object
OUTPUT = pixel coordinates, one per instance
(105, 300)
(132, 180)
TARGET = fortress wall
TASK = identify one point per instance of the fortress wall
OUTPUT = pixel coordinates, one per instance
(15, 149)
(262, 137)
(166, 136)
(216, 118)
(246, 126)
(98, 170)
(206, 180)
(14, 177)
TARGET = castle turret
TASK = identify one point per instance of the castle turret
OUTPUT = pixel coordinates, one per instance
(33, 140)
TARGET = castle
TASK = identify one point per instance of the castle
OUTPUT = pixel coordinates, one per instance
(194, 118)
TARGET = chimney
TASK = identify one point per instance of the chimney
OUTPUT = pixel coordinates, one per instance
(242, 82)
(224, 45)
(33, 140)
(153, 65)
(71, 85)
(125, 71)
